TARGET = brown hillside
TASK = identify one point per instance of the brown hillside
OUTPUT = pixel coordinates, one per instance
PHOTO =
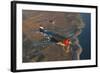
(32, 20)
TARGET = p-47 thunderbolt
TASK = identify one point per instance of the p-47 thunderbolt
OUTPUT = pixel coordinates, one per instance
(63, 41)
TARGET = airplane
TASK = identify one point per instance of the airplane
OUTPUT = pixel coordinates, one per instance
(64, 41)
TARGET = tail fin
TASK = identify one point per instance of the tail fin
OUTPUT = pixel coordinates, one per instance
(41, 29)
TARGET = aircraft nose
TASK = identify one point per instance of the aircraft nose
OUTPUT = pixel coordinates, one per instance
(67, 42)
